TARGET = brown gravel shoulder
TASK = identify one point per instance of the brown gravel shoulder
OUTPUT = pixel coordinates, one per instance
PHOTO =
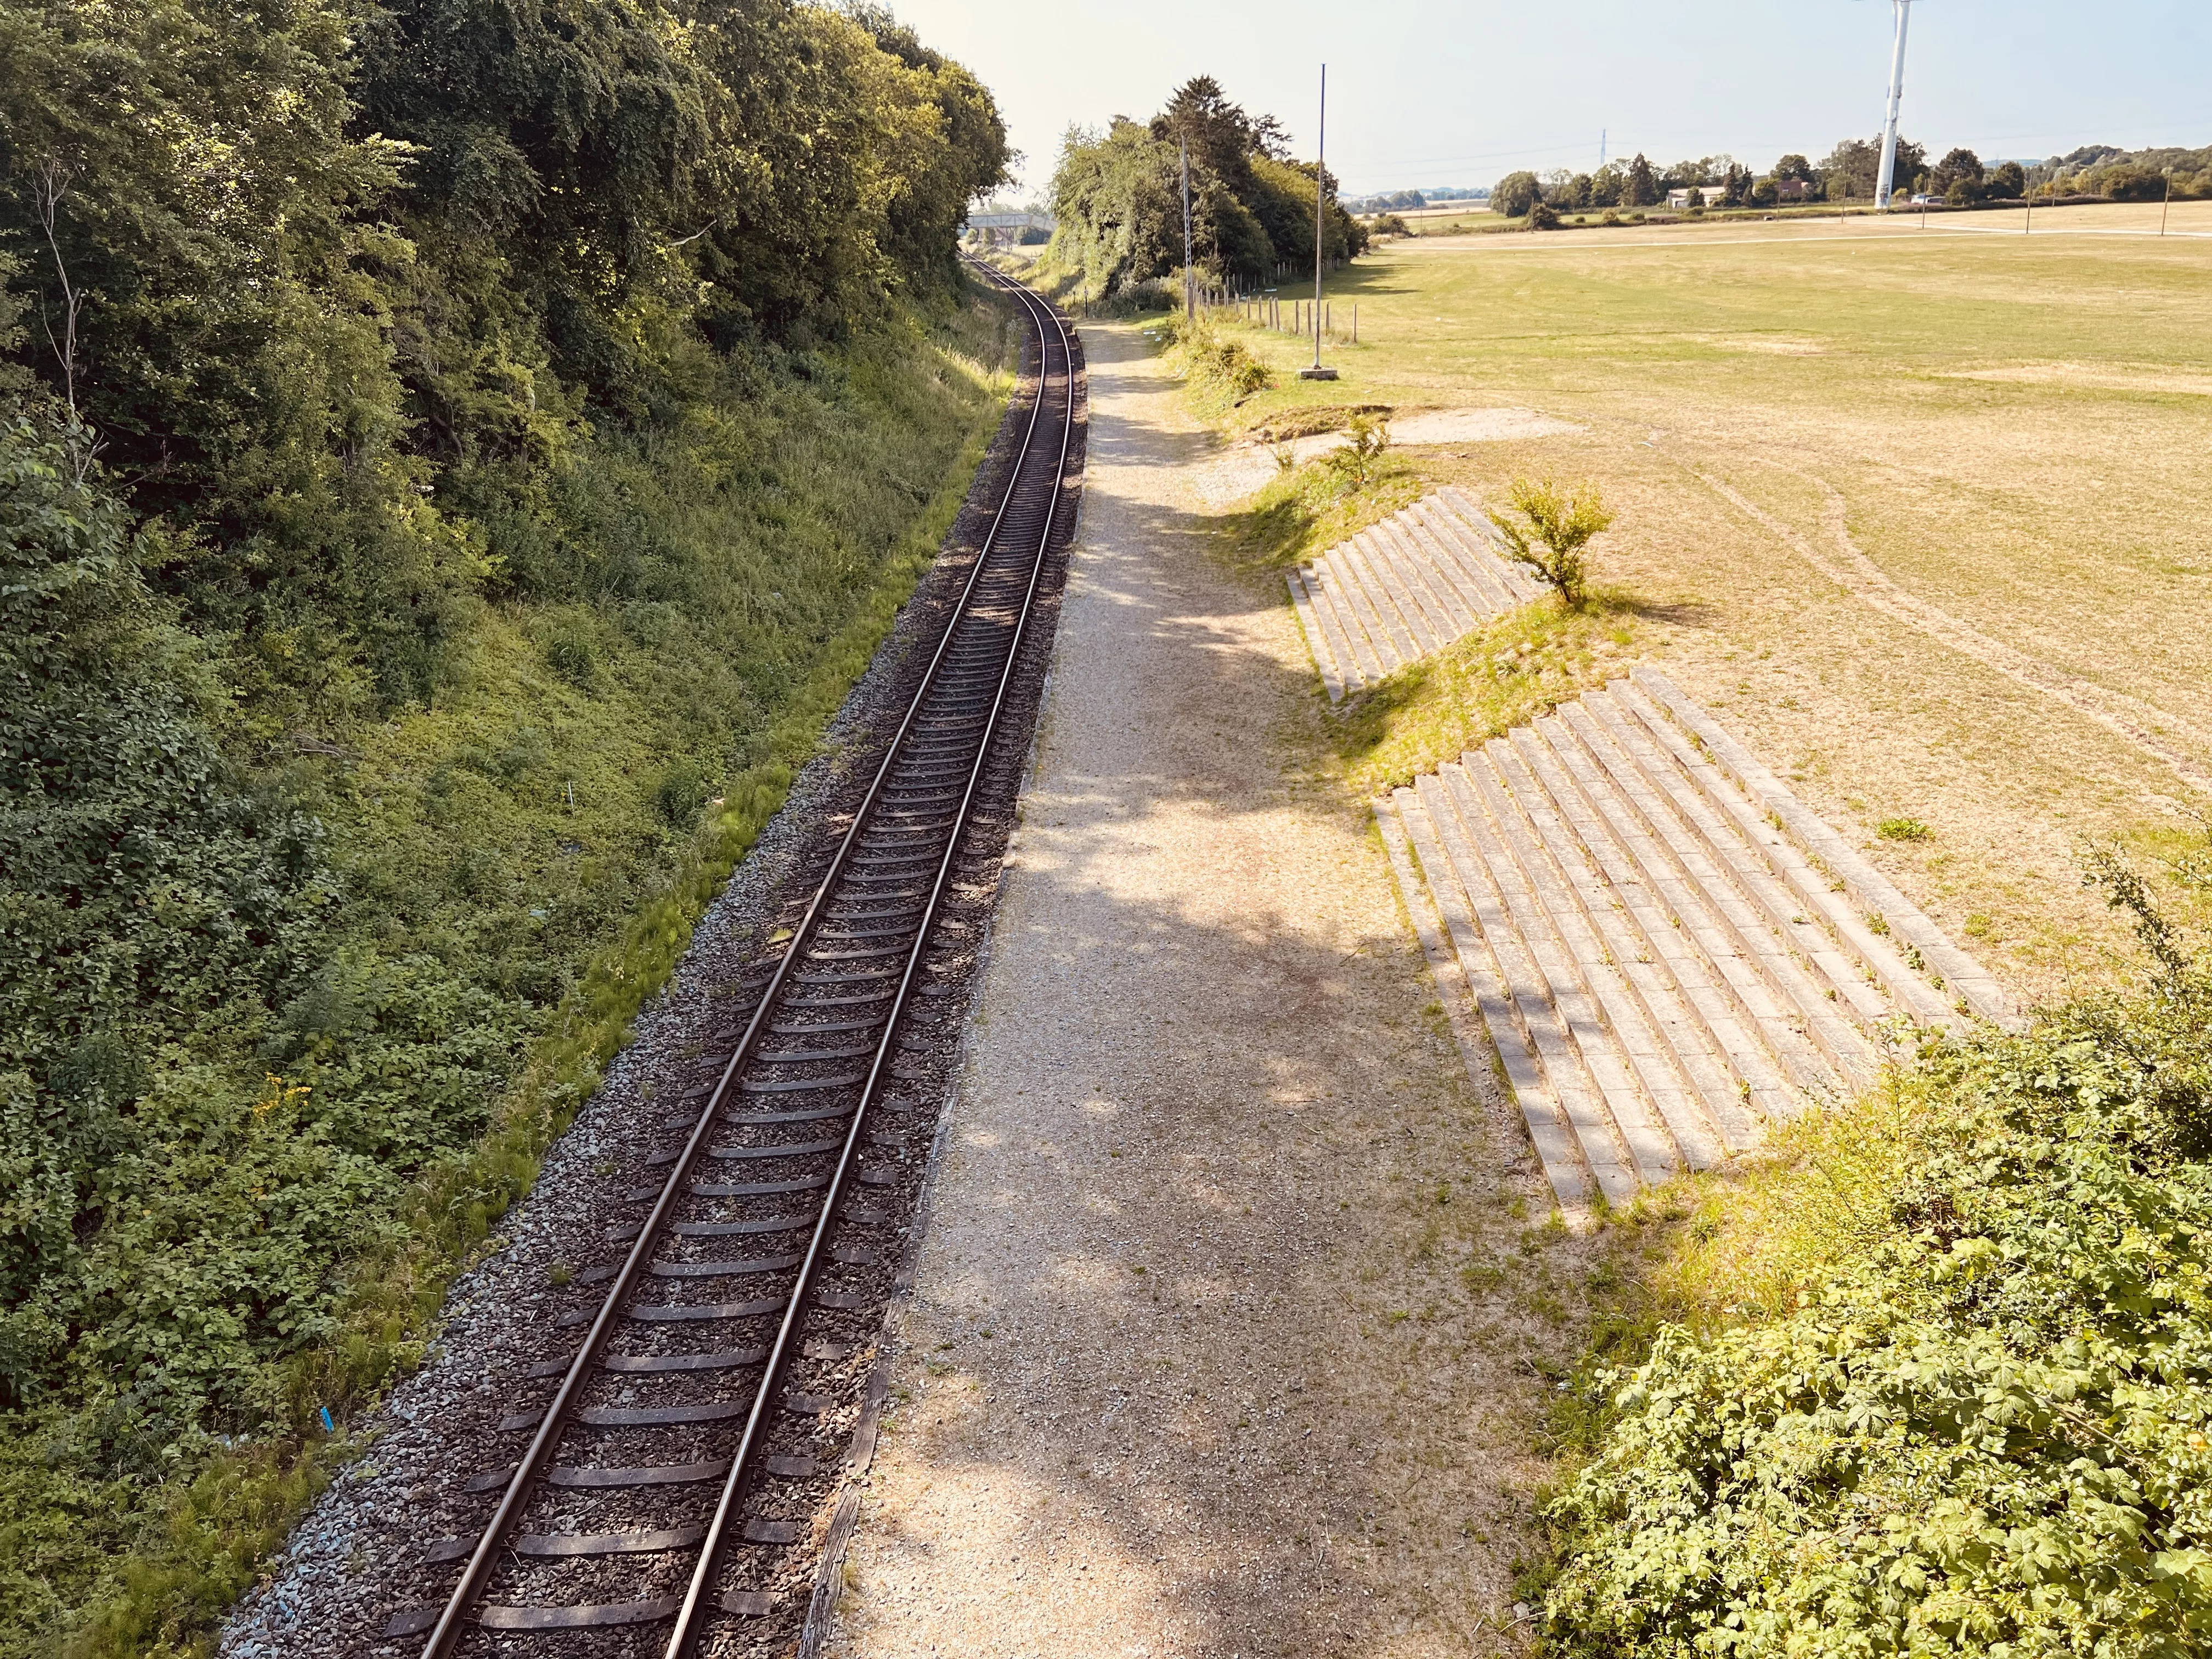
(1231, 1327)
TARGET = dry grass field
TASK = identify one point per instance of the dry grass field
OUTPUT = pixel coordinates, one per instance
(1922, 514)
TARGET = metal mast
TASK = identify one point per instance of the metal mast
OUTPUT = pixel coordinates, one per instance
(1321, 228)
(1189, 276)
(1888, 181)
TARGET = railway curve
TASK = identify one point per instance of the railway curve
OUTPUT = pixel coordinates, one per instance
(672, 1492)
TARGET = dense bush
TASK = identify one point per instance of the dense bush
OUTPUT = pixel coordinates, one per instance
(1218, 368)
(1513, 194)
(456, 457)
(348, 299)
(1986, 1430)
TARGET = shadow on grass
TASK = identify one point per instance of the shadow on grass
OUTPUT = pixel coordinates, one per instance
(1521, 666)
(1306, 510)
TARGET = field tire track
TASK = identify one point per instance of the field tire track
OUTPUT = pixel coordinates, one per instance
(2124, 716)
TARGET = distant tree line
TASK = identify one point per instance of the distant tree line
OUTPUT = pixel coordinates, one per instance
(1117, 198)
(1851, 172)
(1397, 201)
(2141, 175)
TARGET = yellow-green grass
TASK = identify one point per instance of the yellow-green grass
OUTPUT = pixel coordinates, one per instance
(1522, 664)
(2013, 429)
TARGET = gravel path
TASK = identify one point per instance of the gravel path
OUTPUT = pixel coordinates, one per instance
(1232, 1326)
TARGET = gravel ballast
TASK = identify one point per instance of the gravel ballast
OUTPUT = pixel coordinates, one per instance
(1234, 1317)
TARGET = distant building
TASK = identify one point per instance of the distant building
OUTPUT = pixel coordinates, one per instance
(1679, 200)
(1792, 190)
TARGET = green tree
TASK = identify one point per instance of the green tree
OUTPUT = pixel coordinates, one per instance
(1117, 197)
(1956, 176)
(1556, 524)
(1511, 194)
(1854, 166)
(1643, 188)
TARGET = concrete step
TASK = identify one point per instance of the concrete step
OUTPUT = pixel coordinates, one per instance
(1475, 1003)
(1472, 524)
(1500, 957)
(1786, 884)
(1948, 970)
(1318, 619)
(1401, 590)
(1660, 968)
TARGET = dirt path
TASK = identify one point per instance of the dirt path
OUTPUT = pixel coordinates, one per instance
(1228, 1330)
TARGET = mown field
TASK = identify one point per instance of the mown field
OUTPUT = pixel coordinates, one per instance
(1920, 514)
(1861, 472)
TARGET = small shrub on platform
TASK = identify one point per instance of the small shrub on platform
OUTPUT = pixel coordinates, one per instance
(1557, 523)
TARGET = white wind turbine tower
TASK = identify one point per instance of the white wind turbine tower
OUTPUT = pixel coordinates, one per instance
(1888, 181)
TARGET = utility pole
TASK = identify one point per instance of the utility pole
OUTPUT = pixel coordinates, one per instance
(1321, 228)
(2167, 204)
(1190, 278)
(1888, 180)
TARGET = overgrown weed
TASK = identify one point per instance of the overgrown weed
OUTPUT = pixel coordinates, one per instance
(1520, 665)
(1307, 509)
(522, 864)
(1218, 371)
(1935, 1372)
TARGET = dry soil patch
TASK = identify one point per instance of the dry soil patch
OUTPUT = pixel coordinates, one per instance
(1232, 474)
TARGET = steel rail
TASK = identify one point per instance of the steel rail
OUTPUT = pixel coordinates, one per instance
(690, 1616)
(556, 1420)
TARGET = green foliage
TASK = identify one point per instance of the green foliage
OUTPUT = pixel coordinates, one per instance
(1304, 509)
(497, 884)
(2142, 175)
(1218, 368)
(1512, 195)
(153, 911)
(1517, 666)
(1559, 523)
(349, 372)
(1117, 199)
(1639, 188)
(425, 558)
(1985, 1425)
(1903, 830)
(1359, 457)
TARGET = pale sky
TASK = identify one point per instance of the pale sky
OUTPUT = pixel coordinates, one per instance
(1423, 92)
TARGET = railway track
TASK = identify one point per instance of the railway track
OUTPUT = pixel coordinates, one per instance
(680, 1461)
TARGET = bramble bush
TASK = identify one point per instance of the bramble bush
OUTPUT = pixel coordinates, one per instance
(1985, 1429)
